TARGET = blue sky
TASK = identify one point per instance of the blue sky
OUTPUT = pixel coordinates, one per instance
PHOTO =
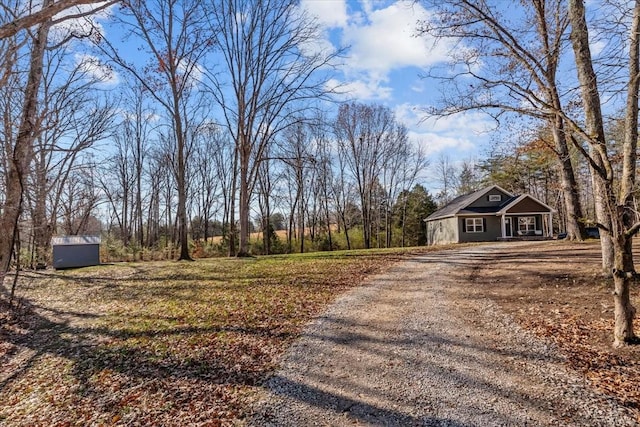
(384, 62)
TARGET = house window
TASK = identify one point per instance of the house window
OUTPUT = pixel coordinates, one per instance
(474, 225)
(495, 197)
(527, 224)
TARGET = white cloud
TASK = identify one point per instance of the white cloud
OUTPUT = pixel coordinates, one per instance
(461, 134)
(388, 40)
(95, 69)
(330, 13)
(433, 143)
(597, 47)
(86, 25)
(380, 38)
(361, 89)
(317, 47)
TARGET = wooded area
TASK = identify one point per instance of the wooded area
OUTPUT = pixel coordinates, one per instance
(225, 121)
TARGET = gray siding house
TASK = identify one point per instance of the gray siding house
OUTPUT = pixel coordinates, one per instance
(487, 215)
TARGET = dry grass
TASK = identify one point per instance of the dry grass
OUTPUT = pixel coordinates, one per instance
(557, 291)
(161, 343)
(167, 343)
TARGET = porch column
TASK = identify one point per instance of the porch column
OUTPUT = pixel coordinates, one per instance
(502, 226)
(550, 225)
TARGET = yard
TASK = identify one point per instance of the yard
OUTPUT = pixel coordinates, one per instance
(559, 293)
(178, 343)
(161, 342)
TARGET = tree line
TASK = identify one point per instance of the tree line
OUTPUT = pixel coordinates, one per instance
(217, 128)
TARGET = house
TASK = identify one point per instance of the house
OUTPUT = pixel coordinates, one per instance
(487, 215)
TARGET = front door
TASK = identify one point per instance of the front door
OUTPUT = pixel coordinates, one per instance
(507, 227)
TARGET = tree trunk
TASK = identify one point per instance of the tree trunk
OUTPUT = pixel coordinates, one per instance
(346, 232)
(624, 312)
(139, 200)
(600, 167)
(575, 227)
(630, 147)
(366, 223)
(301, 212)
(603, 218)
(183, 229)
(44, 15)
(41, 224)
(615, 233)
(20, 160)
(243, 212)
(623, 309)
(231, 223)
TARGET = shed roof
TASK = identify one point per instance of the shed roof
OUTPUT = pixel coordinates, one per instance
(75, 240)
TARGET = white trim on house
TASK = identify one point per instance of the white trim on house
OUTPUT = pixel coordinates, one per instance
(474, 225)
(518, 200)
(526, 222)
(484, 193)
(504, 226)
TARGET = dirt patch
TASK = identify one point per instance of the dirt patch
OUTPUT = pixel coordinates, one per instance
(555, 290)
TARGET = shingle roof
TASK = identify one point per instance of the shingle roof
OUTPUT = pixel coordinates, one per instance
(459, 205)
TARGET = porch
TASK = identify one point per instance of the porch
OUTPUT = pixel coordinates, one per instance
(526, 226)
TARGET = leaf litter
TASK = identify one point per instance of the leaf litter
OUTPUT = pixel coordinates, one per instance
(161, 343)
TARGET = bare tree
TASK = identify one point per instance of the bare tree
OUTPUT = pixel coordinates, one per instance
(265, 194)
(117, 181)
(446, 176)
(78, 202)
(296, 153)
(270, 71)
(73, 118)
(14, 21)
(343, 192)
(403, 164)
(19, 152)
(320, 130)
(136, 129)
(365, 135)
(509, 66)
(224, 160)
(206, 182)
(615, 193)
(173, 34)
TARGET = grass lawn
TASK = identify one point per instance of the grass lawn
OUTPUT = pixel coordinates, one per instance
(161, 343)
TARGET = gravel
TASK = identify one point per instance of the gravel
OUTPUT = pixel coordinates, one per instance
(401, 351)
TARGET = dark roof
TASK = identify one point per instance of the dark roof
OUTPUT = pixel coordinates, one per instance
(454, 206)
(460, 204)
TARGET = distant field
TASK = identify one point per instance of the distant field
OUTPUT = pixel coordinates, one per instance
(162, 343)
(282, 235)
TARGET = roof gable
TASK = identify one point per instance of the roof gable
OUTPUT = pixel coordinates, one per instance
(475, 202)
(525, 204)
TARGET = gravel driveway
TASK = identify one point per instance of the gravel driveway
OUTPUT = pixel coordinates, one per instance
(401, 351)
